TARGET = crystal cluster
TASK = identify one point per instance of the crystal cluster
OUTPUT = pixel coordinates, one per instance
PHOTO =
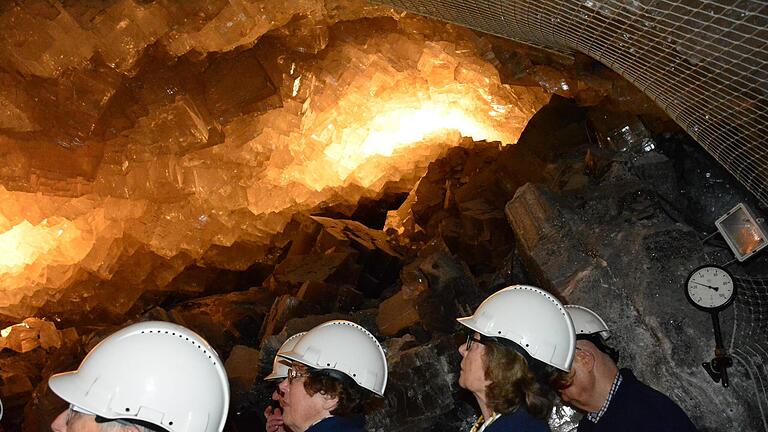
(139, 142)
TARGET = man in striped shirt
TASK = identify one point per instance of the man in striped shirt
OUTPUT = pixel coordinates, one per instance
(613, 399)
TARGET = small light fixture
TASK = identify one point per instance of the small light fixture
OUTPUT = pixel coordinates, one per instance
(745, 234)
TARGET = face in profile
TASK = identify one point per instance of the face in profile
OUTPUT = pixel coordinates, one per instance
(577, 388)
(300, 409)
(472, 375)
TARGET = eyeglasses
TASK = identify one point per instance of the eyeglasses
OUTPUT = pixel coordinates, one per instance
(294, 374)
(471, 338)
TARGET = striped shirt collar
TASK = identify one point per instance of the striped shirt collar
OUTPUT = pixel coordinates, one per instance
(594, 417)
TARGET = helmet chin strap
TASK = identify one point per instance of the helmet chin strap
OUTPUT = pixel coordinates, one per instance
(125, 421)
(137, 422)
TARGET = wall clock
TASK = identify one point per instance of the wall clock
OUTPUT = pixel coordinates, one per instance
(711, 289)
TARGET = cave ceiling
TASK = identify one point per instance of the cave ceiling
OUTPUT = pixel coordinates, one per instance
(141, 139)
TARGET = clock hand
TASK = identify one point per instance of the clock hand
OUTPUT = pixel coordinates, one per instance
(708, 286)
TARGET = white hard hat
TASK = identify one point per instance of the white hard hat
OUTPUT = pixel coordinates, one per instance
(345, 347)
(587, 322)
(279, 365)
(155, 372)
(531, 318)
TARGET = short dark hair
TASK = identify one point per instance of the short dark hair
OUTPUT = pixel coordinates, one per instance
(518, 380)
(350, 395)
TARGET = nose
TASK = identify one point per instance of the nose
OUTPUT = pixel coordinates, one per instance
(282, 388)
(60, 422)
(463, 349)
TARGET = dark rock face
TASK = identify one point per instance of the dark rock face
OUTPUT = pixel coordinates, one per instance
(436, 288)
(421, 386)
(614, 249)
(226, 320)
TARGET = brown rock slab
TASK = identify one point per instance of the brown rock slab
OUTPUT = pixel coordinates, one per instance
(552, 253)
(226, 320)
(242, 368)
(396, 313)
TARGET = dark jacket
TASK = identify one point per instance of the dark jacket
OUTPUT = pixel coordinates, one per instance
(338, 424)
(519, 421)
(635, 407)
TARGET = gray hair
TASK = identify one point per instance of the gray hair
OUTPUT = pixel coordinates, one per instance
(119, 426)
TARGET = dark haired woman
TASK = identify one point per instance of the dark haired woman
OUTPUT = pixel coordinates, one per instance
(280, 366)
(520, 346)
(334, 367)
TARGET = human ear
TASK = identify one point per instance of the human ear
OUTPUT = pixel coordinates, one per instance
(585, 359)
(329, 402)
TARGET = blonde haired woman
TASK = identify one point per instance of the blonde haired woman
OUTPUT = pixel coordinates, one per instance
(520, 346)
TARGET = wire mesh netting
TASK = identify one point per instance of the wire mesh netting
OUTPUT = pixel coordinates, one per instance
(749, 339)
(703, 62)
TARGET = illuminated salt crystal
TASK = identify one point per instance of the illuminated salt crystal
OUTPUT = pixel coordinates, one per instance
(46, 40)
(30, 334)
(125, 29)
(236, 24)
(177, 128)
(198, 166)
(14, 111)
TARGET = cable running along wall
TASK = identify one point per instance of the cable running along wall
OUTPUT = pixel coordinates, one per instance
(703, 62)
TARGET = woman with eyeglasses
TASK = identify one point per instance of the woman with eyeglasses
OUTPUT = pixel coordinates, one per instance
(273, 413)
(520, 347)
(334, 368)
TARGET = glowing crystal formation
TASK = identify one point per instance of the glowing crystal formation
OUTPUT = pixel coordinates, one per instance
(174, 158)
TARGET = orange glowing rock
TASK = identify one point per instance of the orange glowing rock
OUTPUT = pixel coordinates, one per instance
(30, 334)
(46, 39)
(203, 153)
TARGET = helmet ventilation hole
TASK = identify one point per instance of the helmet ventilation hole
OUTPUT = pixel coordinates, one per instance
(127, 410)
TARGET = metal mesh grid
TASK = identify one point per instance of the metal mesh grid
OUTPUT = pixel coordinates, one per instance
(704, 62)
(749, 338)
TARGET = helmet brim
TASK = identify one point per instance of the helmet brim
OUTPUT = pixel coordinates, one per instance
(470, 323)
(296, 357)
(66, 386)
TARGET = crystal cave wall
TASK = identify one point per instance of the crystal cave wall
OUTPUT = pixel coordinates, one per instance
(136, 138)
(250, 169)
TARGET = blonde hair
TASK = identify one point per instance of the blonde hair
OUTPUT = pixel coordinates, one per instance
(513, 383)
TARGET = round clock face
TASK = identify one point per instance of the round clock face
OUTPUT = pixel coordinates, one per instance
(710, 288)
